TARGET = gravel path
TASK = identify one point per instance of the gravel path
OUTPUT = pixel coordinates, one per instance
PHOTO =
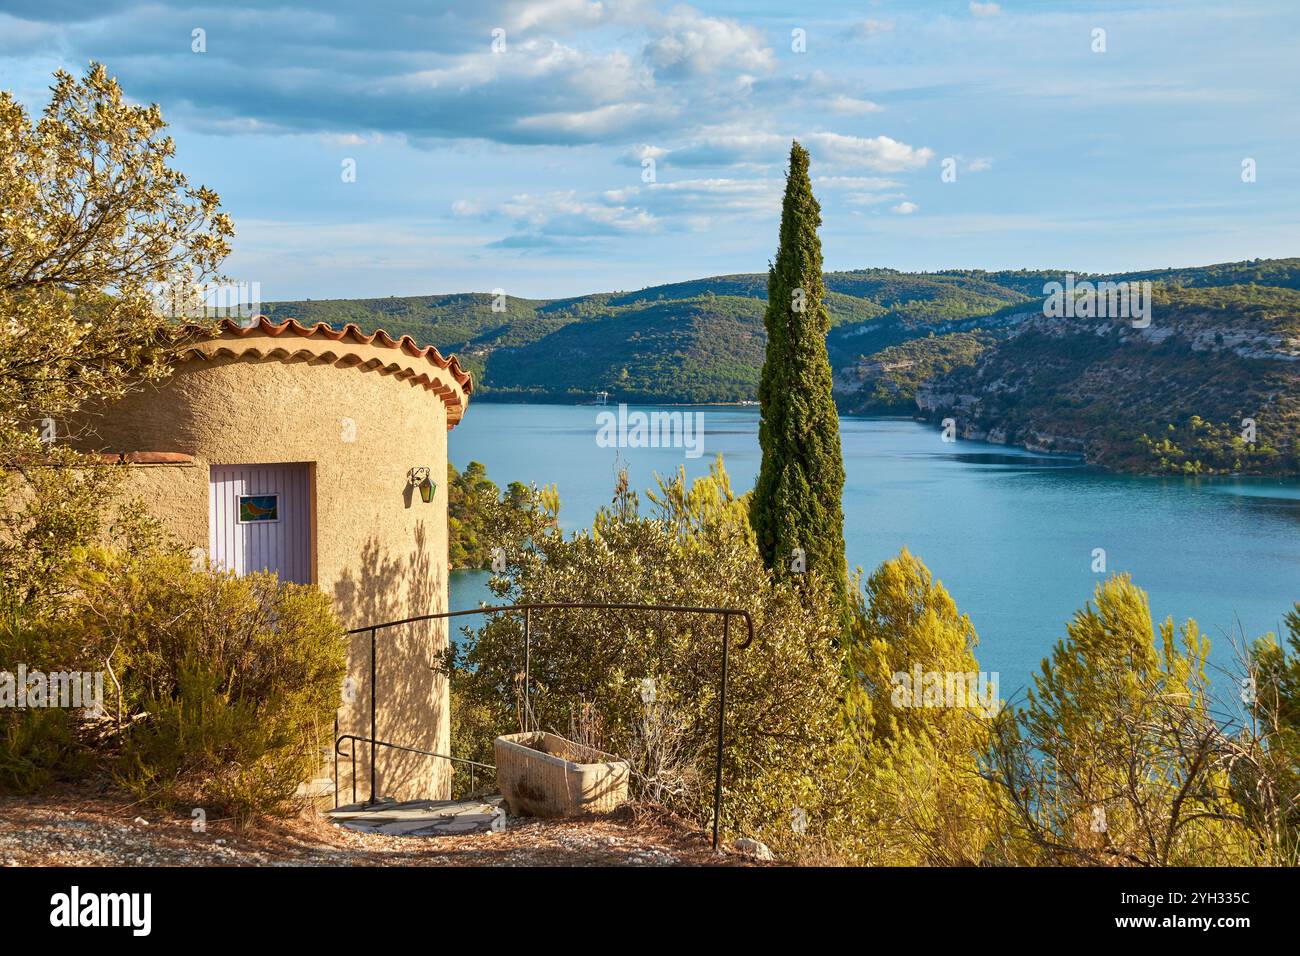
(79, 828)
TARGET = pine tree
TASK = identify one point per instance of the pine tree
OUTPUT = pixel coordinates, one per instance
(916, 707)
(797, 512)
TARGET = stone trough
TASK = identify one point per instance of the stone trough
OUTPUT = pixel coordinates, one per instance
(544, 775)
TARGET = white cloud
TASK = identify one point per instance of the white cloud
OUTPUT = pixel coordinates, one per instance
(691, 45)
(559, 220)
(984, 9)
(859, 190)
(531, 66)
(979, 165)
(731, 149)
(335, 140)
(557, 14)
(879, 153)
(719, 196)
(849, 104)
(566, 214)
(642, 151)
(761, 150)
(683, 203)
(596, 124)
(19, 37)
(906, 208)
(572, 72)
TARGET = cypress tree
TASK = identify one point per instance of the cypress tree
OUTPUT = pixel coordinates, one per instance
(797, 506)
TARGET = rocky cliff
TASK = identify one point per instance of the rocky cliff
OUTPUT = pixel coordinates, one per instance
(1210, 386)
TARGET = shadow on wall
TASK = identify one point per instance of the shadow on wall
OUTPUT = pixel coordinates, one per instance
(412, 697)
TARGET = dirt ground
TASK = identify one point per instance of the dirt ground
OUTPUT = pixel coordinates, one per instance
(73, 827)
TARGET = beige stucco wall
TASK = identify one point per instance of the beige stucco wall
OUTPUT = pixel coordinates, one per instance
(380, 551)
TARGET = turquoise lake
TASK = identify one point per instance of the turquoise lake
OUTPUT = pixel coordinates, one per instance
(1010, 533)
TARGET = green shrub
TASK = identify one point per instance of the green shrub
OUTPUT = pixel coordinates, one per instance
(1268, 787)
(473, 728)
(695, 548)
(1119, 755)
(37, 745)
(228, 686)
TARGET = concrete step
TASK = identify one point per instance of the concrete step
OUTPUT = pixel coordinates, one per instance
(424, 817)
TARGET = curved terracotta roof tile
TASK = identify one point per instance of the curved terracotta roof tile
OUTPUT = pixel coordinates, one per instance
(455, 396)
(350, 332)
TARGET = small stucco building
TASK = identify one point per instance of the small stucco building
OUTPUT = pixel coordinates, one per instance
(301, 450)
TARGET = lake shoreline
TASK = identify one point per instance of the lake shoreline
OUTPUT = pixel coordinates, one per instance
(920, 419)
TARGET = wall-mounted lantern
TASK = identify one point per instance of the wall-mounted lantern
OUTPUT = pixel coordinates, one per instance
(419, 478)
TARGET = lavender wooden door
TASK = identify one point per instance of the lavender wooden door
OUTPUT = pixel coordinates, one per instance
(260, 520)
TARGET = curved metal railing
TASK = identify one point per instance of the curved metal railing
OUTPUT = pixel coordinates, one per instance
(527, 610)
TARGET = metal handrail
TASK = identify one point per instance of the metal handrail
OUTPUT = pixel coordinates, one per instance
(527, 609)
(352, 756)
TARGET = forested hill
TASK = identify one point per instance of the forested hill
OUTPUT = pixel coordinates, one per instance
(699, 341)
(893, 334)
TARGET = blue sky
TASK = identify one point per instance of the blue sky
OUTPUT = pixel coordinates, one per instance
(522, 168)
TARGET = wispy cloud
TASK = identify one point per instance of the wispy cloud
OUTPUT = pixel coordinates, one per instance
(836, 150)
(865, 29)
(849, 104)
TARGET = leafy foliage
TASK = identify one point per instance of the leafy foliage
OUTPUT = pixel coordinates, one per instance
(794, 753)
(222, 688)
(38, 745)
(92, 219)
(692, 350)
(1198, 447)
(473, 501)
(700, 341)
